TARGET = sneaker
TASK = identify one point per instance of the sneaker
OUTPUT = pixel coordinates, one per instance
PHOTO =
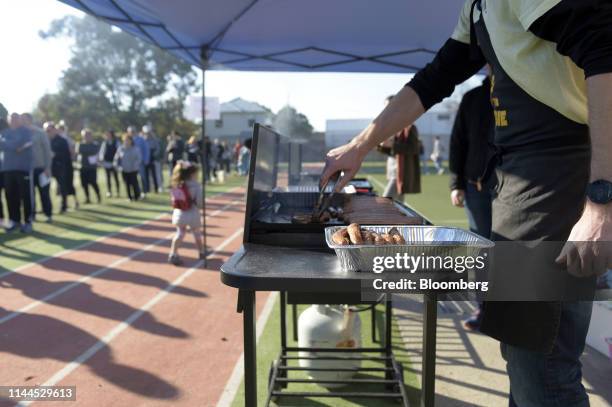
(109, 195)
(473, 322)
(26, 228)
(49, 220)
(175, 259)
(12, 226)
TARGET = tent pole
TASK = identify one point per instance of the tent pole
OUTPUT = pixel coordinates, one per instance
(204, 169)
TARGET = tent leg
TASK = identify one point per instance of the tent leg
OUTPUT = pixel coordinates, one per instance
(203, 166)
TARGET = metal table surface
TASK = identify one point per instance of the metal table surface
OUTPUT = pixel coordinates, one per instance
(256, 267)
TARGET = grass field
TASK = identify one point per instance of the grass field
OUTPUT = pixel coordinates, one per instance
(77, 227)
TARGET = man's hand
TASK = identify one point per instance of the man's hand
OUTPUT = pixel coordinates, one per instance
(457, 197)
(347, 158)
(588, 250)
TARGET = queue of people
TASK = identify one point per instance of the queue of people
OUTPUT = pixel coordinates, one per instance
(32, 156)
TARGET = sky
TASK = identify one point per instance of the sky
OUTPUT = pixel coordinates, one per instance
(37, 66)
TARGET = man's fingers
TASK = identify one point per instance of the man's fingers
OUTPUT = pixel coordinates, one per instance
(573, 261)
(562, 258)
(585, 251)
(343, 180)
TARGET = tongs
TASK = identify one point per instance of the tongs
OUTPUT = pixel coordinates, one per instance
(324, 202)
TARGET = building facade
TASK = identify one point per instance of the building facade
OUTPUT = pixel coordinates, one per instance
(236, 120)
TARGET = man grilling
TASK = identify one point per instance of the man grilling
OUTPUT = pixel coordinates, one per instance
(552, 96)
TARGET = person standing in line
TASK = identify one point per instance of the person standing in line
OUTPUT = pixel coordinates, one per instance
(145, 157)
(403, 167)
(472, 133)
(187, 201)
(129, 160)
(108, 149)
(61, 163)
(70, 190)
(16, 144)
(3, 221)
(436, 155)
(236, 154)
(244, 158)
(174, 150)
(154, 153)
(42, 155)
(87, 153)
(226, 157)
(193, 150)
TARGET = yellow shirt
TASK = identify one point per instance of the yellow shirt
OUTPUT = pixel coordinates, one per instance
(533, 63)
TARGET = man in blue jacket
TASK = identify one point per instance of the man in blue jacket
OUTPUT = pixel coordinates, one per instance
(16, 144)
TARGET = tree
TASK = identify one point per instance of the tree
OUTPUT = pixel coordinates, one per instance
(114, 79)
(291, 123)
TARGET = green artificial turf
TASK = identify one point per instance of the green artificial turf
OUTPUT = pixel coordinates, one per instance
(268, 350)
(77, 227)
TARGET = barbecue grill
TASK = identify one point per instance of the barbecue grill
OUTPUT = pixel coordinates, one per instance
(279, 254)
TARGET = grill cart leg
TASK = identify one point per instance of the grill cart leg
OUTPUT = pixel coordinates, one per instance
(373, 323)
(429, 350)
(295, 322)
(246, 305)
(388, 341)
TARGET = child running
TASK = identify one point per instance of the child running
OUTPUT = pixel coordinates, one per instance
(186, 194)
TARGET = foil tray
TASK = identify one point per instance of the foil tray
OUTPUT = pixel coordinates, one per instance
(420, 241)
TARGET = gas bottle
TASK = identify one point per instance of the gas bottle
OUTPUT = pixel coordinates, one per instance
(327, 326)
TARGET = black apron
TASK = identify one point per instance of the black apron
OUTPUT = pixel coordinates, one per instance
(543, 161)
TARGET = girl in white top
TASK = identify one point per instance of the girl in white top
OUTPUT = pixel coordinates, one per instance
(185, 175)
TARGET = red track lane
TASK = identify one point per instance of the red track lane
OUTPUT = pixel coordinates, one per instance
(180, 352)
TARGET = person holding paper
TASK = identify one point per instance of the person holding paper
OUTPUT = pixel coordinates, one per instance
(87, 151)
(41, 179)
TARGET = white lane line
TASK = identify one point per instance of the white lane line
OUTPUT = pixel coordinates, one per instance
(113, 333)
(233, 384)
(100, 271)
(110, 235)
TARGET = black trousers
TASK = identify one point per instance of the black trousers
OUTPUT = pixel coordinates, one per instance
(19, 195)
(89, 177)
(150, 170)
(63, 188)
(43, 193)
(131, 185)
(110, 174)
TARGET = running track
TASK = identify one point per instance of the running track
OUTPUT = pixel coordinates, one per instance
(116, 321)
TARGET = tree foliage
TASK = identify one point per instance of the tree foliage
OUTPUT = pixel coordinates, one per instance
(115, 80)
(290, 122)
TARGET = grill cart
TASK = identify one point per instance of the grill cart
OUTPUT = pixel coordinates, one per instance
(281, 252)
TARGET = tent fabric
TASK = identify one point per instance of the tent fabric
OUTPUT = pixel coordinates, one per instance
(288, 35)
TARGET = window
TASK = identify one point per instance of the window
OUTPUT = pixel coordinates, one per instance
(445, 117)
(251, 122)
(218, 123)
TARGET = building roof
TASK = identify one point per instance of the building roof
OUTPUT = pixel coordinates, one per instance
(239, 105)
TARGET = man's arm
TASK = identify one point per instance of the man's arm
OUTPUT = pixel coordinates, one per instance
(451, 66)
(589, 248)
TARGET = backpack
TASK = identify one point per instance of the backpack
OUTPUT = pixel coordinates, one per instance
(180, 197)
